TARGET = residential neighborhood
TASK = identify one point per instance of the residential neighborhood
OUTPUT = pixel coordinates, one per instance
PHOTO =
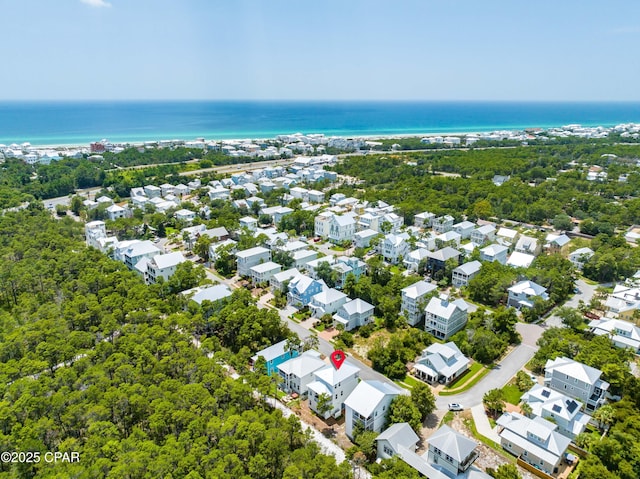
(312, 272)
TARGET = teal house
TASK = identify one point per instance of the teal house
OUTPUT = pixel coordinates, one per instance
(274, 356)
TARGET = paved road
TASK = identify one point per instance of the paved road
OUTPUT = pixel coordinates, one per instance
(324, 346)
(497, 378)
(502, 373)
(238, 167)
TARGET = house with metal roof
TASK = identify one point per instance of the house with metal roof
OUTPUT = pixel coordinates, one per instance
(399, 434)
(464, 273)
(494, 252)
(441, 363)
(163, 266)
(528, 245)
(335, 383)
(622, 333)
(248, 258)
(368, 404)
(559, 408)
(483, 234)
(576, 380)
(327, 302)
(297, 372)
(523, 293)
(414, 300)
(353, 314)
(451, 451)
(274, 355)
(535, 441)
(443, 318)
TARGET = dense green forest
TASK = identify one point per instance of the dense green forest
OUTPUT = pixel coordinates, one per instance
(94, 361)
(409, 182)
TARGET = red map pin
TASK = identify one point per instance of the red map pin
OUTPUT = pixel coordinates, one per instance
(337, 358)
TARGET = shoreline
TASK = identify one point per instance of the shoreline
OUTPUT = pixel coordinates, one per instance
(365, 137)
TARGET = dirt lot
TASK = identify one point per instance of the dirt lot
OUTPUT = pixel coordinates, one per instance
(331, 428)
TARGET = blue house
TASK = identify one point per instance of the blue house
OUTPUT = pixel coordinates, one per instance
(348, 265)
(302, 288)
(274, 356)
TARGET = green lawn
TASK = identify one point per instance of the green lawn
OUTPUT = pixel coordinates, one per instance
(447, 418)
(512, 394)
(408, 382)
(464, 382)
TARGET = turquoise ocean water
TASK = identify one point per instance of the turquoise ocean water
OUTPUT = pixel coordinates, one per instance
(52, 123)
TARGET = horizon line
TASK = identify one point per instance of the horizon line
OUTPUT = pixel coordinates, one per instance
(300, 100)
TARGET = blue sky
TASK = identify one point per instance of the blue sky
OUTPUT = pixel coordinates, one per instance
(320, 49)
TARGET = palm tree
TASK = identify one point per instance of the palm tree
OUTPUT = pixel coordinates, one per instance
(605, 416)
(525, 407)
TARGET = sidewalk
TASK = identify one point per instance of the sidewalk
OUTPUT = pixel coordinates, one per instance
(482, 423)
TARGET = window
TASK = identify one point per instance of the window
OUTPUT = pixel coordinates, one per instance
(524, 453)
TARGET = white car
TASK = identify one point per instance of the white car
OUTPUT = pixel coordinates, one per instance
(454, 406)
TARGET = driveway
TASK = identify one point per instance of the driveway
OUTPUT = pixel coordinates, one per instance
(585, 293)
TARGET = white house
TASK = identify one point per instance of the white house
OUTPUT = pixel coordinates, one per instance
(322, 224)
(327, 302)
(185, 215)
(341, 228)
(524, 293)
(520, 260)
(423, 220)
(506, 236)
(249, 222)
(263, 272)
(363, 238)
(623, 302)
(622, 333)
(441, 363)
(535, 441)
(449, 238)
(94, 230)
(414, 258)
(464, 273)
(564, 411)
(454, 453)
(494, 252)
(337, 384)
(576, 380)
(114, 212)
(251, 257)
(580, 256)
(442, 224)
(394, 437)
(528, 245)
(152, 191)
(278, 280)
(483, 234)
(302, 257)
(353, 314)
(414, 300)
(135, 251)
(443, 318)
(163, 266)
(297, 372)
(368, 405)
(394, 246)
(208, 293)
(464, 229)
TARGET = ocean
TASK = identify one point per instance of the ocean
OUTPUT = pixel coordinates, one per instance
(79, 123)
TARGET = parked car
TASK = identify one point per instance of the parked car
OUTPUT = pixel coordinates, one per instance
(454, 406)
